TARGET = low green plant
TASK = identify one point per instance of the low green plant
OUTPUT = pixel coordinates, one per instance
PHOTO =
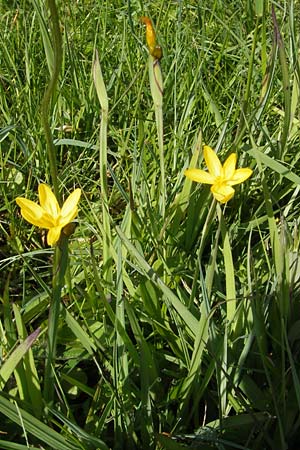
(173, 318)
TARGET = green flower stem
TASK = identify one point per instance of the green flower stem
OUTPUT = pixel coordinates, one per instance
(229, 272)
(60, 253)
(156, 86)
(60, 263)
(45, 107)
(205, 230)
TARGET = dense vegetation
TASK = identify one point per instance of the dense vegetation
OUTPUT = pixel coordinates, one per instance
(176, 322)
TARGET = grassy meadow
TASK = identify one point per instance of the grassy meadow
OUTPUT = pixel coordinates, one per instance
(162, 318)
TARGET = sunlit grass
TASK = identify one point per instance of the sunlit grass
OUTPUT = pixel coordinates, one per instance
(178, 325)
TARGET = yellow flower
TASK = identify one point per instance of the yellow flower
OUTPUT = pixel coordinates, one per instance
(48, 214)
(154, 50)
(222, 178)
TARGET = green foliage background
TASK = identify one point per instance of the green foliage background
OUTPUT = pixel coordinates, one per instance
(186, 333)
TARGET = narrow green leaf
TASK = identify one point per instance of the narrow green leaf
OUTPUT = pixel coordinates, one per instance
(13, 360)
(285, 82)
(189, 319)
(30, 377)
(107, 239)
(45, 36)
(78, 331)
(259, 7)
(5, 445)
(274, 165)
(80, 433)
(35, 427)
(99, 83)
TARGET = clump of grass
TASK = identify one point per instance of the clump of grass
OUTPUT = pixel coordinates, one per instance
(178, 325)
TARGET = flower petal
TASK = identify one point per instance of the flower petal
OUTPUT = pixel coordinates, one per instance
(53, 235)
(200, 176)
(212, 161)
(229, 166)
(48, 201)
(222, 192)
(33, 213)
(150, 33)
(69, 209)
(63, 221)
(239, 176)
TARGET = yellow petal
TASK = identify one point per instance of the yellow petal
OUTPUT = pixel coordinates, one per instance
(53, 235)
(69, 209)
(239, 176)
(222, 192)
(48, 201)
(63, 221)
(212, 161)
(33, 213)
(200, 176)
(150, 33)
(229, 166)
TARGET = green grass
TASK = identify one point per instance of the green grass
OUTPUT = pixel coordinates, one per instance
(179, 323)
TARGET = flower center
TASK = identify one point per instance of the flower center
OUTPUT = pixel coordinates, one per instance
(220, 180)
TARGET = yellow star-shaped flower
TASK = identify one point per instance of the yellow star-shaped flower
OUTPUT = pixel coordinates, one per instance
(48, 214)
(222, 178)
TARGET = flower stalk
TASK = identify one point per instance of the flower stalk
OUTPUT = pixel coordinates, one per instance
(45, 106)
(156, 87)
(60, 263)
(58, 254)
